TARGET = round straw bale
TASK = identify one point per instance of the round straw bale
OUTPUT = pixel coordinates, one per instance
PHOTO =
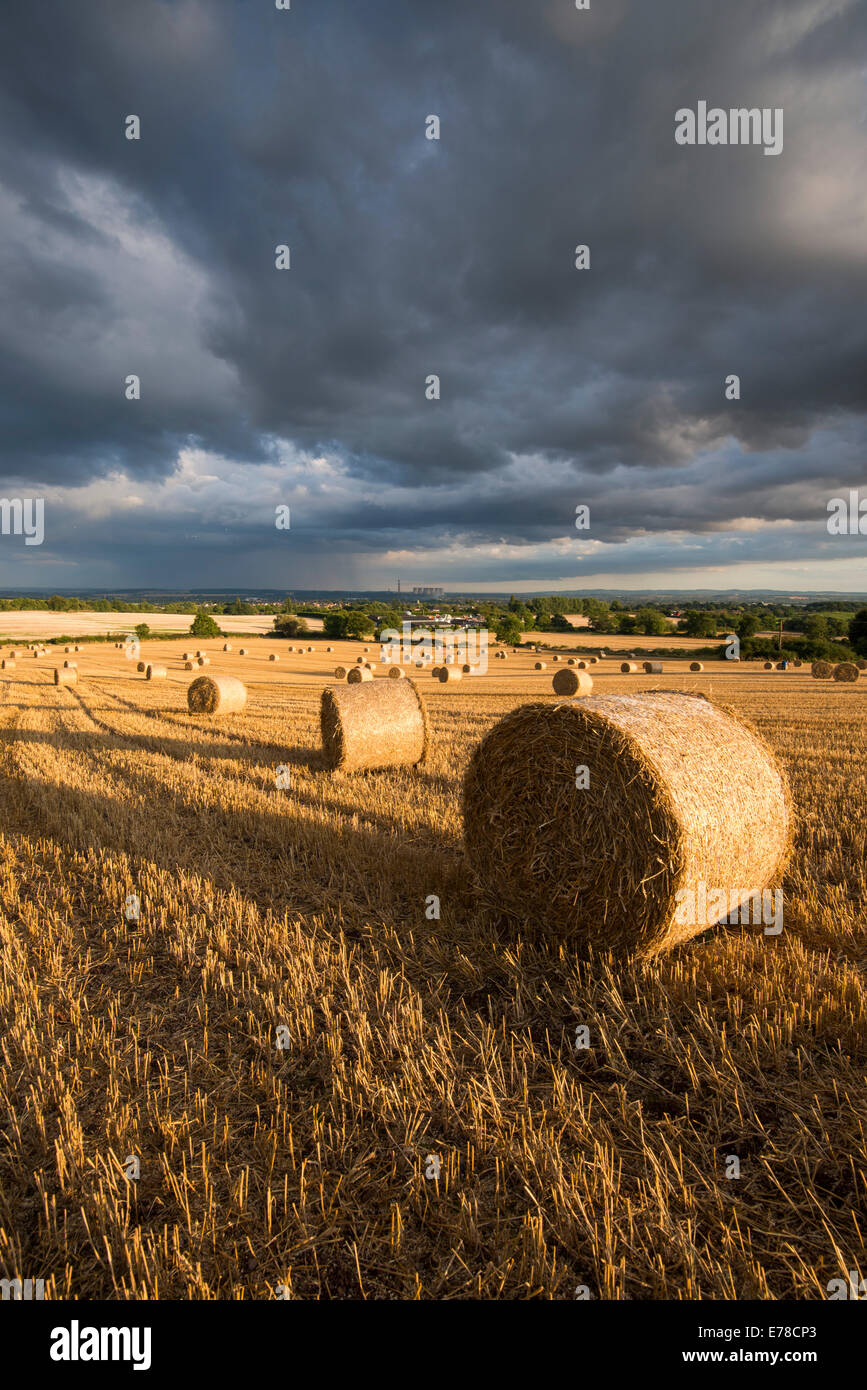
(568, 682)
(573, 661)
(329, 649)
(77, 649)
(358, 674)
(679, 794)
(555, 658)
(203, 661)
(466, 668)
(435, 672)
(768, 666)
(653, 668)
(310, 649)
(141, 666)
(365, 649)
(190, 665)
(227, 646)
(290, 649)
(419, 665)
(862, 665)
(540, 666)
(450, 673)
(186, 657)
(395, 673)
(798, 664)
(381, 725)
(846, 671)
(821, 670)
(273, 657)
(340, 673)
(696, 666)
(368, 666)
(8, 664)
(242, 651)
(65, 675)
(67, 649)
(72, 665)
(13, 656)
(360, 660)
(216, 695)
(156, 673)
(627, 666)
(199, 653)
(594, 660)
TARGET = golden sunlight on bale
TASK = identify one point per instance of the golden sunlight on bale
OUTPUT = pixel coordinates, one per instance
(190, 665)
(846, 671)
(653, 668)
(449, 673)
(203, 661)
(540, 666)
(383, 724)
(395, 673)
(71, 665)
(821, 670)
(696, 666)
(8, 664)
(216, 695)
(768, 666)
(568, 682)
(156, 673)
(65, 675)
(628, 666)
(357, 674)
(273, 657)
(598, 818)
(242, 651)
(340, 672)
(227, 646)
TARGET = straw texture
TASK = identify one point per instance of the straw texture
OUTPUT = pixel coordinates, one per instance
(383, 724)
(846, 671)
(65, 675)
(359, 674)
(680, 792)
(821, 670)
(628, 666)
(340, 673)
(450, 673)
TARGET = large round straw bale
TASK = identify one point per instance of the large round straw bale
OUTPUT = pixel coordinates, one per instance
(190, 665)
(383, 724)
(450, 673)
(340, 673)
(568, 682)
(627, 666)
(8, 664)
(216, 695)
(846, 671)
(540, 666)
(862, 665)
(679, 794)
(696, 666)
(65, 675)
(821, 670)
(203, 661)
(227, 646)
(768, 666)
(357, 674)
(141, 666)
(395, 673)
(156, 673)
(653, 668)
(273, 657)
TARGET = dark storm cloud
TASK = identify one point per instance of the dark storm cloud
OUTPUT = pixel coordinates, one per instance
(455, 257)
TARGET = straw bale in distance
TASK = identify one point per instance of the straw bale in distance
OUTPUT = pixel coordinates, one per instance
(606, 863)
(190, 665)
(227, 646)
(653, 668)
(156, 673)
(383, 724)
(72, 665)
(821, 670)
(357, 674)
(340, 673)
(769, 666)
(65, 675)
(627, 666)
(466, 668)
(395, 673)
(141, 666)
(696, 666)
(555, 658)
(450, 673)
(846, 671)
(203, 661)
(216, 695)
(540, 666)
(862, 664)
(9, 664)
(273, 657)
(568, 682)
(242, 651)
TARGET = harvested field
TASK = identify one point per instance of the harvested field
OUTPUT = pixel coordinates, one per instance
(302, 907)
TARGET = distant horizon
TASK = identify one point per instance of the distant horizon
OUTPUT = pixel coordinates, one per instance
(311, 595)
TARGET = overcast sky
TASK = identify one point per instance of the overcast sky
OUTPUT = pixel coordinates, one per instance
(411, 257)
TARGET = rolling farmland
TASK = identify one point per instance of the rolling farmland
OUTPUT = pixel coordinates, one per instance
(293, 906)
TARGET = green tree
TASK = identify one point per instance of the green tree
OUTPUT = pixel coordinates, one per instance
(858, 632)
(508, 629)
(142, 631)
(286, 626)
(203, 625)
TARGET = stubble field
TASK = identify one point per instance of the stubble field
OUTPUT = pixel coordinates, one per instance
(411, 1046)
